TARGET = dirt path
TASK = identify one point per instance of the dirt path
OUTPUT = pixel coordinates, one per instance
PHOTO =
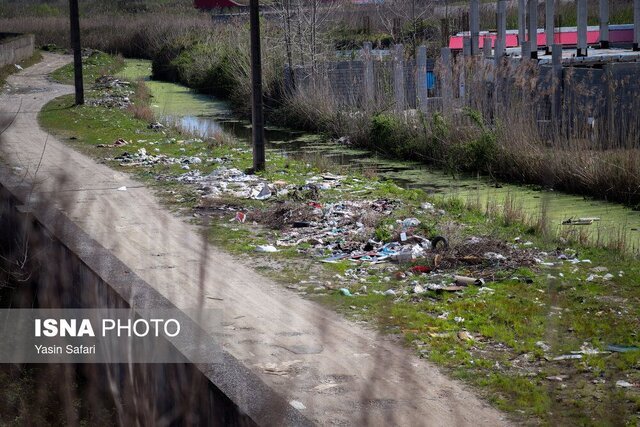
(376, 381)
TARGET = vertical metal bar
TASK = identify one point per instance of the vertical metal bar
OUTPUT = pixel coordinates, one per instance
(257, 113)
(604, 24)
(74, 18)
(549, 27)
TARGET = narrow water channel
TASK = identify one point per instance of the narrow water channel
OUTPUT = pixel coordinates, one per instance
(206, 115)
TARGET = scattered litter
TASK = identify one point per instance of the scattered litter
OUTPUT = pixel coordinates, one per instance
(240, 217)
(123, 188)
(458, 319)
(298, 405)
(568, 357)
(155, 126)
(465, 281)
(266, 248)
(417, 289)
(544, 346)
(18, 66)
(421, 269)
(117, 143)
(557, 378)
(346, 292)
(622, 348)
(323, 387)
(624, 384)
(465, 336)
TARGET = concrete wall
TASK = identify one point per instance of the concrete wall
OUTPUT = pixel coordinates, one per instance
(74, 271)
(16, 49)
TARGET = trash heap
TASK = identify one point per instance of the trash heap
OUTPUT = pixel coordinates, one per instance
(344, 230)
(142, 158)
(230, 181)
(114, 93)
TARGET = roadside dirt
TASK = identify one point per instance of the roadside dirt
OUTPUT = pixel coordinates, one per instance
(343, 373)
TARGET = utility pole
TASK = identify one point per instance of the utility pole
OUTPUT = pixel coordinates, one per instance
(257, 114)
(74, 17)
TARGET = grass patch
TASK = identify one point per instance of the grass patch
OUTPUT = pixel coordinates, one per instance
(95, 65)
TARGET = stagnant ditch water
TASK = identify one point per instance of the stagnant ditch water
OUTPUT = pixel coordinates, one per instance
(206, 115)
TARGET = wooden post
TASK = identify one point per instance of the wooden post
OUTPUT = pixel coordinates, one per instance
(74, 18)
(421, 79)
(398, 77)
(369, 92)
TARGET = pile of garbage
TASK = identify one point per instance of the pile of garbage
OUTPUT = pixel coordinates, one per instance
(110, 82)
(114, 93)
(230, 181)
(142, 158)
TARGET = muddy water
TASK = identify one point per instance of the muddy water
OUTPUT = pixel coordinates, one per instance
(205, 115)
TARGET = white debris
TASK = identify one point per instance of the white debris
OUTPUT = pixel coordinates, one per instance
(266, 248)
(624, 384)
(298, 405)
(123, 188)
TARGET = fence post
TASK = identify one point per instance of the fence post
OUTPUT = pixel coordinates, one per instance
(466, 46)
(421, 78)
(445, 85)
(474, 21)
(502, 31)
(582, 28)
(398, 77)
(369, 92)
(556, 84)
(604, 24)
(486, 46)
(636, 25)
(549, 28)
(522, 23)
(533, 28)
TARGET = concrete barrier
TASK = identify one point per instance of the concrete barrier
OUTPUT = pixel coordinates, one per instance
(15, 48)
(83, 274)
